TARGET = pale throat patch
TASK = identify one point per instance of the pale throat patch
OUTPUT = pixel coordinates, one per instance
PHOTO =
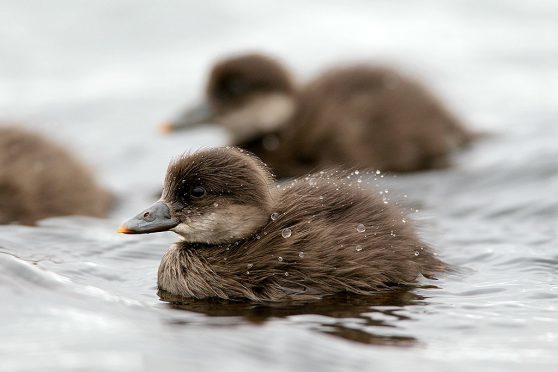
(261, 115)
(221, 225)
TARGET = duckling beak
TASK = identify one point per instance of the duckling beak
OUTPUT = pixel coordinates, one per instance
(156, 218)
(193, 117)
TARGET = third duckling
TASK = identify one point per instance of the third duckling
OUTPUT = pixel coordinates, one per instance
(39, 179)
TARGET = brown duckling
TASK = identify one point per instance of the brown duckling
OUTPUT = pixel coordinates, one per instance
(40, 179)
(358, 116)
(244, 237)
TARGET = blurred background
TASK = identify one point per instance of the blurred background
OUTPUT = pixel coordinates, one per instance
(99, 76)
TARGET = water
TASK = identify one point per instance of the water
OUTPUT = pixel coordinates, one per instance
(99, 76)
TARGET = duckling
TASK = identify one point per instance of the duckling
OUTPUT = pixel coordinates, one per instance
(40, 179)
(356, 116)
(245, 238)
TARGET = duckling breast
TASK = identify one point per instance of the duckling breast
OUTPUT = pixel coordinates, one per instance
(190, 270)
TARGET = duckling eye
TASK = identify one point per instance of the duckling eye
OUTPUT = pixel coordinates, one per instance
(197, 192)
(235, 87)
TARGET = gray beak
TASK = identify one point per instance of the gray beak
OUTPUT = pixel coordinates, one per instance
(154, 219)
(191, 118)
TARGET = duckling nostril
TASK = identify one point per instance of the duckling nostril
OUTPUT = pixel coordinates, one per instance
(148, 217)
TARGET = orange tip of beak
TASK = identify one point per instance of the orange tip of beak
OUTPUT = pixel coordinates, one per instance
(166, 127)
(123, 230)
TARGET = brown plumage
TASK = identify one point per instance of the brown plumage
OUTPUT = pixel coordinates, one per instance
(244, 237)
(358, 116)
(40, 179)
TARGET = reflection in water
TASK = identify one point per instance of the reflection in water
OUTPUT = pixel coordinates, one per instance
(351, 317)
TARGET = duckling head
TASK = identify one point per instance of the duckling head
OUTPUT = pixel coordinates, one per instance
(212, 196)
(249, 95)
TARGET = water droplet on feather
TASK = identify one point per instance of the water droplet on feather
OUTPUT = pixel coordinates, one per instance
(286, 233)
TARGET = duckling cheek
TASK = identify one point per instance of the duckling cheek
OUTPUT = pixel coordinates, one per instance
(261, 115)
(200, 228)
(226, 225)
(182, 230)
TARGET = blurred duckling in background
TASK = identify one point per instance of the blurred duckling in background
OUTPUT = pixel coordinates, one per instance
(243, 237)
(40, 179)
(359, 116)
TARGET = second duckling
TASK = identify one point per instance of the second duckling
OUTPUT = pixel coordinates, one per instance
(244, 237)
(357, 116)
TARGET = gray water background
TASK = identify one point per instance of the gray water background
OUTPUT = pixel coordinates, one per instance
(99, 75)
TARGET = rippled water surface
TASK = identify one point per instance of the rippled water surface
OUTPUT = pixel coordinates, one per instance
(98, 76)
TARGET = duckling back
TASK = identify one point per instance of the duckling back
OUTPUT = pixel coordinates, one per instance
(375, 117)
(40, 179)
